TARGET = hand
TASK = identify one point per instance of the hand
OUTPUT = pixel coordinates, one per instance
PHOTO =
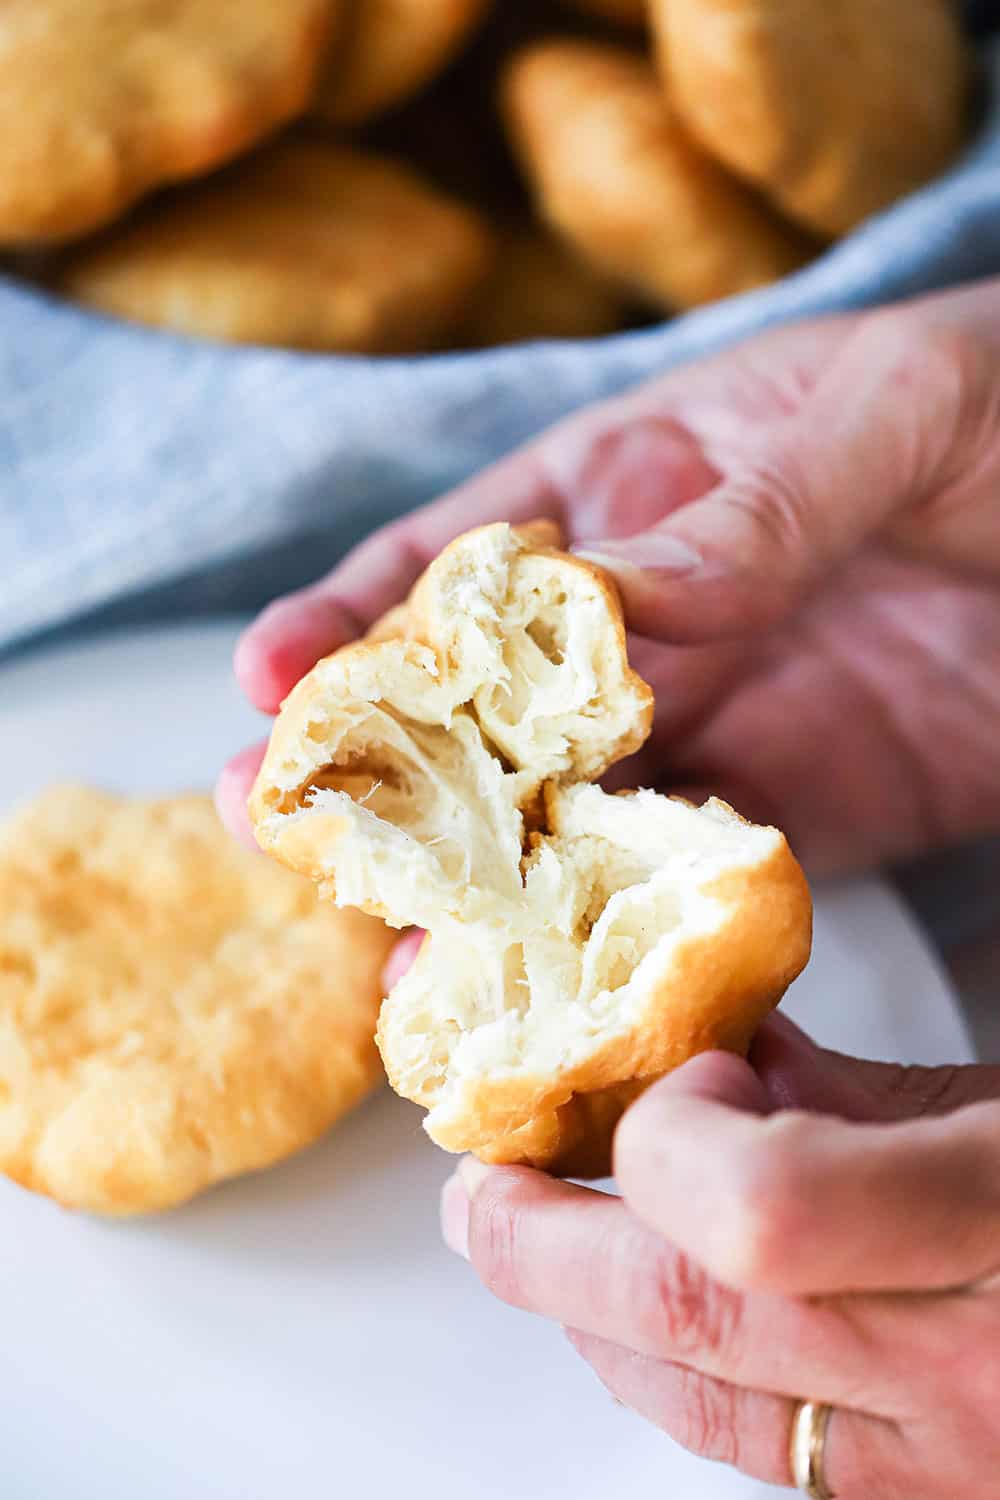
(806, 530)
(761, 1254)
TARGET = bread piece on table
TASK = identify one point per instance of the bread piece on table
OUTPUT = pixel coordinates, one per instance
(613, 170)
(835, 108)
(566, 965)
(173, 1009)
(307, 244)
(388, 50)
(104, 100)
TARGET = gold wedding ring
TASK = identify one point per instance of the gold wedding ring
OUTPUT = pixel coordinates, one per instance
(807, 1448)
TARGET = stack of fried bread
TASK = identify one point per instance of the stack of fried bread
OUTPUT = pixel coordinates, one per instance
(400, 176)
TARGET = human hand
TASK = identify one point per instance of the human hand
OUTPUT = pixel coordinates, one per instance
(812, 1226)
(806, 532)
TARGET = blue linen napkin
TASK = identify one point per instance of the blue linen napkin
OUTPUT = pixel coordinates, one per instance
(145, 476)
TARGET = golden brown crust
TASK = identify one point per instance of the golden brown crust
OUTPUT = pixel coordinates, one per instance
(306, 244)
(389, 50)
(173, 1010)
(541, 538)
(407, 633)
(717, 991)
(613, 171)
(574, 1140)
(541, 534)
(104, 101)
(835, 108)
(580, 945)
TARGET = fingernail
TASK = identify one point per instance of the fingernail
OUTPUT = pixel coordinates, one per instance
(473, 1173)
(455, 1216)
(655, 550)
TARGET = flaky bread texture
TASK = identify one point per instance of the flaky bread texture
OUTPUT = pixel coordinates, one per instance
(173, 1009)
(653, 930)
(579, 944)
(400, 769)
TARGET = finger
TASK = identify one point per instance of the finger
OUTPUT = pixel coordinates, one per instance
(726, 1423)
(872, 439)
(621, 465)
(286, 640)
(693, 686)
(611, 468)
(609, 471)
(291, 635)
(616, 465)
(580, 1258)
(799, 1074)
(688, 684)
(803, 1203)
(232, 789)
(748, 1429)
(401, 958)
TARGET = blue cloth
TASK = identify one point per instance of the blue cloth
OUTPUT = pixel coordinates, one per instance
(144, 475)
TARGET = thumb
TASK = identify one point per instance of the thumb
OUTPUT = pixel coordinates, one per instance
(799, 496)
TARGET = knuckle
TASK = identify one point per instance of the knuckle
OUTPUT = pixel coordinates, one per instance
(944, 356)
(495, 1241)
(927, 1091)
(943, 370)
(908, 348)
(769, 1211)
(773, 498)
(708, 1418)
(695, 1315)
(957, 359)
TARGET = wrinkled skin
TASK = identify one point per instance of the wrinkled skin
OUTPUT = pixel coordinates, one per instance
(806, 533)
(813, 1225)
(830, 658)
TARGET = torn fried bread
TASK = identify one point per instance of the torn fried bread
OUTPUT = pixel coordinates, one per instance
(578, 944)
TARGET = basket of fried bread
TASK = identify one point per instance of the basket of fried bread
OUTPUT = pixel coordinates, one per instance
(412, 176)
(444, 773)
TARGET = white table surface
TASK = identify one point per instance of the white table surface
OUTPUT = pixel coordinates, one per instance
(303, 1333)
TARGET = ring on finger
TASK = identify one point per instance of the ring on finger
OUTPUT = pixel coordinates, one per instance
(807, 1448)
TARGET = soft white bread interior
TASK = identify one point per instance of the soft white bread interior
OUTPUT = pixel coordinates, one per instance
(400, 770)
(579, 944)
